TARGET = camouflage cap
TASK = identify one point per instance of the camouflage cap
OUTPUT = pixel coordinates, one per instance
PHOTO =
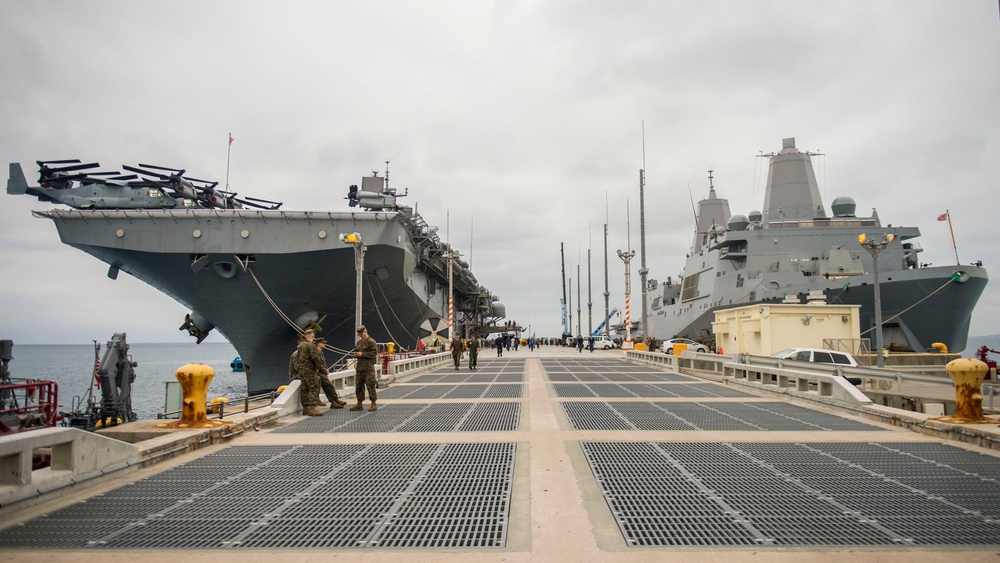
(361, 329)
(319, 341)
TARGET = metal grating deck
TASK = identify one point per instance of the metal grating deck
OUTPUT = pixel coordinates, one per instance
(403, 417)
(647, 390)
(804, 494)
(466, 391)
(273, 497)
(642, 415)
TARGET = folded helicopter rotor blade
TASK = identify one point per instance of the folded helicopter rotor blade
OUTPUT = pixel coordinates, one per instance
(153, 166)
(69, 161)
(75, 167)
(264, 200)
(252, 202)
(145, 172)
(64, 178)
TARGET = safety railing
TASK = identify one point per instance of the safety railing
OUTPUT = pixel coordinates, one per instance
(28, 405)
(244, 404)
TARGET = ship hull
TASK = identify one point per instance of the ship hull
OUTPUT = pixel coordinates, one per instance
(259, 277)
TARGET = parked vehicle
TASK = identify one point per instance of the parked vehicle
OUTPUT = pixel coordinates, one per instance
(603, 343)
(668, 345)
(820, 356)
(817, 355)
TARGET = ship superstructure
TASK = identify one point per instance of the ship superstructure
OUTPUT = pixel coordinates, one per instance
(794, 247)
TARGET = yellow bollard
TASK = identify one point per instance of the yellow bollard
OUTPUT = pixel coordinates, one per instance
(967, 374)
(217, 404)
(194, 380)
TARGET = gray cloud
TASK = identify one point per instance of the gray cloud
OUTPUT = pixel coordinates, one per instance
(516, 119)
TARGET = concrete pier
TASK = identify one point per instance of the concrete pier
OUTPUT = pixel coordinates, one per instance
(551, 455)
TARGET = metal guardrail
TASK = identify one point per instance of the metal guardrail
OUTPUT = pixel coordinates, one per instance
(808, 376)
(28, 405)
(413, 363)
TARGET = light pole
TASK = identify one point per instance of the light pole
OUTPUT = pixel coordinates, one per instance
(451, 255)
(354, 239)
(627, 257)
(875, 248)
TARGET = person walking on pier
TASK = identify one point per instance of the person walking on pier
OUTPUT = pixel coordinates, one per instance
(456, 351)
(579, 344)
(473, 352)
(365, 351)
(305, 365)
(499, 345)
(324, 379)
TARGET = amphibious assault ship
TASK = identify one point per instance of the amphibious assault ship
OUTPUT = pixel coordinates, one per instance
(259, 274)
(793, 248)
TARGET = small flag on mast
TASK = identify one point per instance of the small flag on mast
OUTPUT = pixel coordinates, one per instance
(230, 138)
(943, 216)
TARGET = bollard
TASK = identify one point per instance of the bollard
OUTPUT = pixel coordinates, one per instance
(967, 374)
(194, 380)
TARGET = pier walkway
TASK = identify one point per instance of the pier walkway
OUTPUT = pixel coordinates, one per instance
(551, 455)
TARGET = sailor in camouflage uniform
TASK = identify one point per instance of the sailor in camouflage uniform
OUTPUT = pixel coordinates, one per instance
(307, 363)
(365, 351)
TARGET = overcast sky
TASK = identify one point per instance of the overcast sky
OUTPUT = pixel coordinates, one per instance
(522, 121)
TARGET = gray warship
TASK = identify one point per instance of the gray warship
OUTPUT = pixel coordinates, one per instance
(259, 274)
(793, 247)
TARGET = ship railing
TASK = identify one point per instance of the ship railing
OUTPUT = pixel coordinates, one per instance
(28, 404)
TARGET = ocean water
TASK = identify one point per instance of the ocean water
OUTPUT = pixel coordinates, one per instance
(72, 368)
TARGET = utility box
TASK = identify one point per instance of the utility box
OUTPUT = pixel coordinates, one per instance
(763, 329)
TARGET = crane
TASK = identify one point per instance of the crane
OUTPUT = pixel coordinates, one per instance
(600, 327)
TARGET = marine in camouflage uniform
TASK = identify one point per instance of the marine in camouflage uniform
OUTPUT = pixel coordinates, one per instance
(308, 362)
(329, 389)
(456, 350)
(473, 352)
(365, 351)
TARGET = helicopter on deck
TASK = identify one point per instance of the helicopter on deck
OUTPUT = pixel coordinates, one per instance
(71, 182)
